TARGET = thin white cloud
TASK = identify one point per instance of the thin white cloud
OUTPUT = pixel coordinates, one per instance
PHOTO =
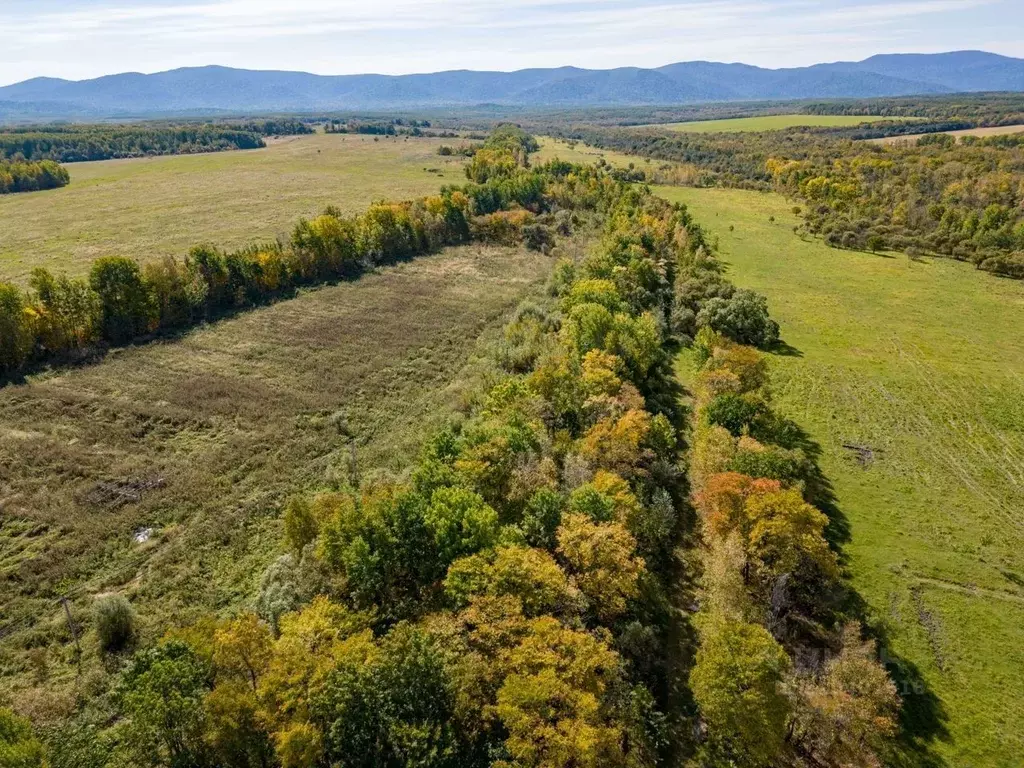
(78, 39)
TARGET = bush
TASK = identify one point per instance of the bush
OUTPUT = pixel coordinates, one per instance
(736, 413)
(743, 318)
(19, 748)
(115, 622)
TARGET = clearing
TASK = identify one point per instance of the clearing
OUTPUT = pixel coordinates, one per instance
(922, 362)
(768, 123)
(148, 208)
(200, 438)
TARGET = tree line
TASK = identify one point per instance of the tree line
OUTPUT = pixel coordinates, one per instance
(24, 176)
(977, 109)
(395, 127)
(963, 199)
(783, 672)
(79, 143)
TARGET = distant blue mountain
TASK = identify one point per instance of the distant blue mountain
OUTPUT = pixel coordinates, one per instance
(221, 89)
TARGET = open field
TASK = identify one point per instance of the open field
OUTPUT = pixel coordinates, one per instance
(767, 123)
(923, 363)
(151, 207)
(577, 152)
(225, 422)
(1001, 130)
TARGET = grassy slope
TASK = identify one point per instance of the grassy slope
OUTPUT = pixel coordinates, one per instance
(233, 417)
(152, 207)
(766, 123)
(923, 361)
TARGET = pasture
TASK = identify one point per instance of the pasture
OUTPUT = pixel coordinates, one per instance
(767, 123)
(148, 208)
(200, 439)
(909, 375)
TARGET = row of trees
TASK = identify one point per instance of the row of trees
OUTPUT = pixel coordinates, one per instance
(782, 672)
(121, 301)
(77, 143)
(17, 176)
(506, 604)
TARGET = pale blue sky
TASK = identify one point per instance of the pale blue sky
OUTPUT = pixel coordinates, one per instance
(85, 38)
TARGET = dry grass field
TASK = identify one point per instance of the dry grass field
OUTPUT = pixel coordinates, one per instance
(767, 123)
(152, 207)
(1001, 130)
(202, 437)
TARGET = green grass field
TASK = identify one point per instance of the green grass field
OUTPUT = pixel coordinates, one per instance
(767, 123)
(225, 422)
(152, 207)
(922, 361)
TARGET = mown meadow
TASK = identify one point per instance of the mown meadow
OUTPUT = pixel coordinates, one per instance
(149, 208)
(909, 376)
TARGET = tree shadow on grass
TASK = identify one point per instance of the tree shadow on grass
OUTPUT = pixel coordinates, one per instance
(782, 349)
(923, 716)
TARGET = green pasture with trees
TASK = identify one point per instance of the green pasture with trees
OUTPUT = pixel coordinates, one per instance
(907, 374)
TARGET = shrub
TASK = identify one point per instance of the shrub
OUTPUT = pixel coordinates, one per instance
(737, 413)
(743, 318)
(19, 748)
(115, 622)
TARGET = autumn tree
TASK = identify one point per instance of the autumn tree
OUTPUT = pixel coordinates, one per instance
(736, 681)
(127, 306)
(602, 557)
(847, 714)
(553, 701)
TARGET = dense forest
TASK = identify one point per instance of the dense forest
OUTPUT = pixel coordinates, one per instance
(518, 599)
(79, 143)
(17, 176)
(938, 195)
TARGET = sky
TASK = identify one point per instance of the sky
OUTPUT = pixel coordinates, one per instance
(79, 39)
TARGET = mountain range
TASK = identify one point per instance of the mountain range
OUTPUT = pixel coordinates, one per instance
(222, 89)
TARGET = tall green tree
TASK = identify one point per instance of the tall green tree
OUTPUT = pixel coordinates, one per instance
(127, 305)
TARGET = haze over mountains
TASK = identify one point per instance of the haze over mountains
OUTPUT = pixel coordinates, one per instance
(216, 89)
